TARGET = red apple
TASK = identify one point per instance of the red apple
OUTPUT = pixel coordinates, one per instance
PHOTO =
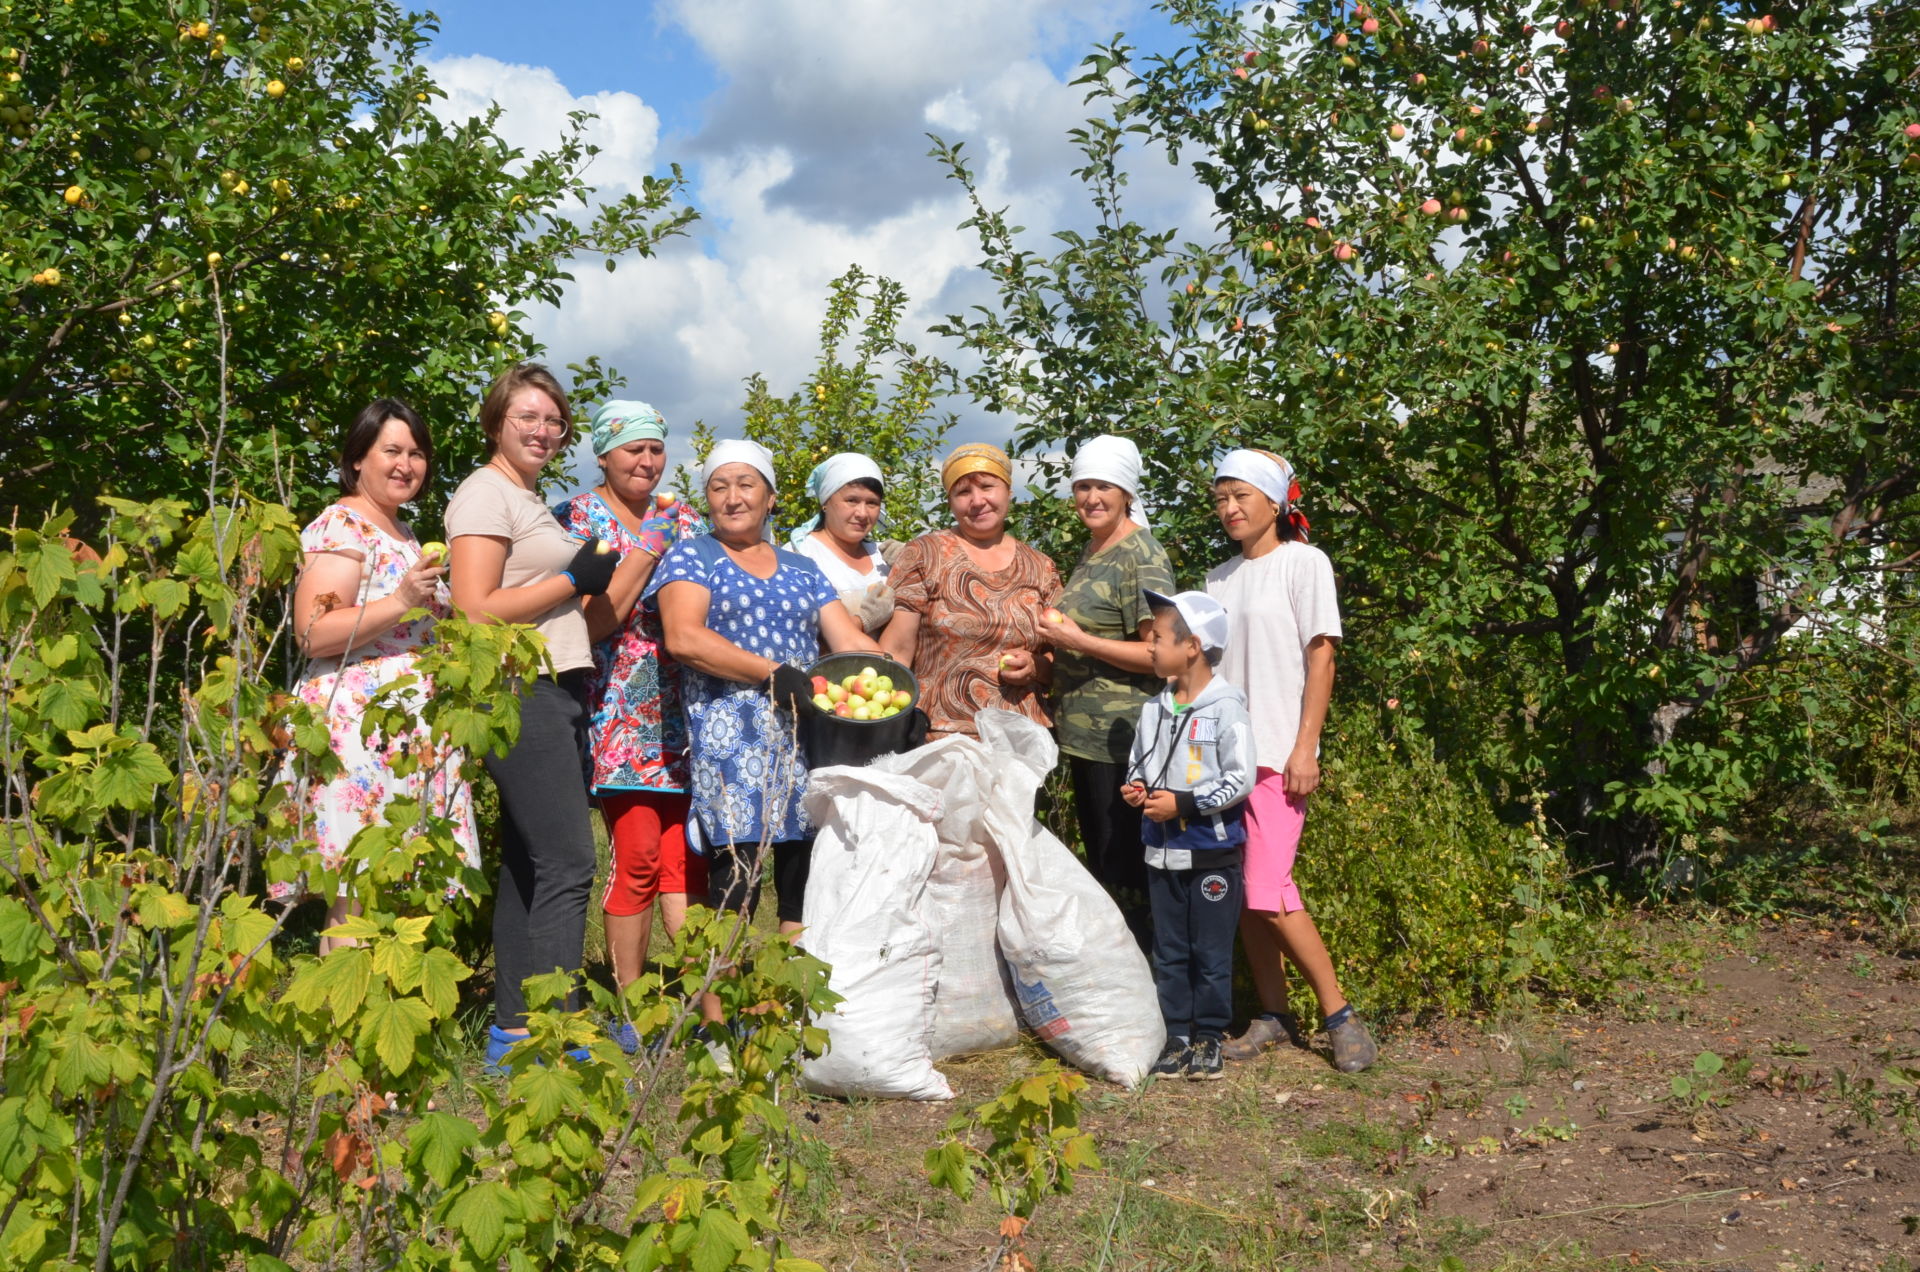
(1343, 252)
(821, 684)
(1370, 26)
(1563, 28)
(1340, 40)
(1913, 132)
(1457, 215)
(1250, 57)
(1397, 131)
(1313, 222)
(1240, 72)
(1431, 207)
(1479, 48)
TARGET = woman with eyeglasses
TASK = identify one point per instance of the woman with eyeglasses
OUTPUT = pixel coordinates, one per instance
(512, 562)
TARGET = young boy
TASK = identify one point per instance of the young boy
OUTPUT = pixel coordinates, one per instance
(1189, 774)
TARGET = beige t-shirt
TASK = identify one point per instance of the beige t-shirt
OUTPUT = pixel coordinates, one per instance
(538, 547)
(1276, 604)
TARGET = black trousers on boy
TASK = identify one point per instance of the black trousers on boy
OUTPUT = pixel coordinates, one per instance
(1196, 914)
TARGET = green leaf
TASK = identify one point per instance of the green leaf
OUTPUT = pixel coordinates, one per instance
(438, 1144)
(395, 1027)
(719, 1240)
(130, 778)
(481, 1213)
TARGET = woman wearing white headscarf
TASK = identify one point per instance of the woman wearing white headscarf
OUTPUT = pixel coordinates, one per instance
(1103, 673)
(1283, 622)
(744, 619)
(850, 491)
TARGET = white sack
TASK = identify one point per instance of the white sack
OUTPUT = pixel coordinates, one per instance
(871, 858)
(1083, 984)
(974, 1008)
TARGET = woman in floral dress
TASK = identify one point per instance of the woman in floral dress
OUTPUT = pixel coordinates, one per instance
(364, 574)
(637, 734)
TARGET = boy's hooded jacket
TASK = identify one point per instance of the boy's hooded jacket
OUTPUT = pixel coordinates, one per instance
(1204, 755)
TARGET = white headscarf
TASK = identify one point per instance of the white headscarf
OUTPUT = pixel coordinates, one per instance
(1269, 474)
(752, 454)
(1116, 461)
(825, 481)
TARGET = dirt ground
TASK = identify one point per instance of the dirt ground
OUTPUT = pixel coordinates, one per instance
(1543, 1139)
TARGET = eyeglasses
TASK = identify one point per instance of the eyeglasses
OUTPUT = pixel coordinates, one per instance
(530, 424)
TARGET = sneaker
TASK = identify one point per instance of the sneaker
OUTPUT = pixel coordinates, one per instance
(1263, 1034)
(1353, 1047)
(499, 1042)
(1204, 1063)
(624, 1036)
(1173, 1059)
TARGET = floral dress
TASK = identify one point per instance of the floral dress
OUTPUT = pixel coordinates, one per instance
(748, 766)
(638, 733)
(342, 685)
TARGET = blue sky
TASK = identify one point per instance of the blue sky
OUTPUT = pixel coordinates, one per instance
(802, 125)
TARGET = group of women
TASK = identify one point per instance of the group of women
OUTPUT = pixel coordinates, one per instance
(679, 647)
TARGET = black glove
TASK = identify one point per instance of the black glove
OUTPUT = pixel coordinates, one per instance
(591, 568)
(790, 687)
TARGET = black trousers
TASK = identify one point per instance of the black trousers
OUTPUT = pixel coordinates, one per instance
(1195, 916)
(1110, 829)
(546, 845)
(733, 876)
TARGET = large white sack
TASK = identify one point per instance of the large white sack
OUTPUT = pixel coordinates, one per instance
(1083, 984)
(974, 1008)
(871, 858)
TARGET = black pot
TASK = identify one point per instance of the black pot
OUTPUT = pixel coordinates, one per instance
(833, 739)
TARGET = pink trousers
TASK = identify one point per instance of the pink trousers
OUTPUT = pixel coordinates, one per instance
(1274, 822)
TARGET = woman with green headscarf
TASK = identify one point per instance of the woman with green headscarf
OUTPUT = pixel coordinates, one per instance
(637, 735)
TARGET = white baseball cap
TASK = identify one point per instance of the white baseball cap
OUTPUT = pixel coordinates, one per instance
(1205, 617)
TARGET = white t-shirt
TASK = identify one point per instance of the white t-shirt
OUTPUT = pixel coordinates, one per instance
(1275, 605)
(538, 547)
(850, 583)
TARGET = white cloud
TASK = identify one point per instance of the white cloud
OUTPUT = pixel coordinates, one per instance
(812, 157)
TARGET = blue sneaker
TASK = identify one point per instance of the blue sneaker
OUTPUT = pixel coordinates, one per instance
(624, 1036)
(499, 1042)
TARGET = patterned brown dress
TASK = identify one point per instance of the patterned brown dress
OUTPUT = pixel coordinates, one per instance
(968, 618)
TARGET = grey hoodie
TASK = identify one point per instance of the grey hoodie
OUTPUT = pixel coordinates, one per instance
(1204, 755)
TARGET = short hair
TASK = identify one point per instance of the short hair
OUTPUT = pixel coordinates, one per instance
(365, 431)
(525, 375)
(1182, 632)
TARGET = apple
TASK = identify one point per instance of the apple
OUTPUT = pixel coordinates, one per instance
(1340, 40)
(1613, 348)
(213, 260)
(836, 694)
(1563, 28)
(1370, 26)
(1266, 245)
(1430, 208)
(1006, 661)
(1457, 215)
(665, 499)
(847, 681)
(1250, 57)
(1419, 80)
(901, 698)
(842, 710)
(868, 672)
(823, 702)
(820, 684)
(1782, 182)
(276, 88)
(1313, 222)
(75, 195)
(1913, 132)
(497, 322)
(862, 712)
(1053, 615)
(602, 547)
(295, 66)
(1240, 72)
(1397, 131)
(883, 684)
(1343, 252)
(1479, 48)
(433, 548)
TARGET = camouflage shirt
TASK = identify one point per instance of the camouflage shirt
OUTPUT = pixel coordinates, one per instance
(1095, 704)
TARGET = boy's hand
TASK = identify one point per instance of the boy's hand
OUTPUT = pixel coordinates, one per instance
(1161, 806)
(1135, 793)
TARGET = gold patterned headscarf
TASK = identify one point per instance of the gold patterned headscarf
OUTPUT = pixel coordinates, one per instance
(975, 457)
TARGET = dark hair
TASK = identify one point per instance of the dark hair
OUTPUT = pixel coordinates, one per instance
(867, 484)
(365, 431)
(526, 375)
(1183, 633)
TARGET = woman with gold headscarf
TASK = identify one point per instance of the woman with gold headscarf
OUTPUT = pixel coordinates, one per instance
(968, 603)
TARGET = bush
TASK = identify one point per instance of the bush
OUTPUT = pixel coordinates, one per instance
(1428, 903)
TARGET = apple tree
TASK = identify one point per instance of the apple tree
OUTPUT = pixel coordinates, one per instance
(870, 392)
(227, 227)
(1591, 326)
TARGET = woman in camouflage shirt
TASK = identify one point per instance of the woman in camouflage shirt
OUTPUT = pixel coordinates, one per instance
(1103, 673)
